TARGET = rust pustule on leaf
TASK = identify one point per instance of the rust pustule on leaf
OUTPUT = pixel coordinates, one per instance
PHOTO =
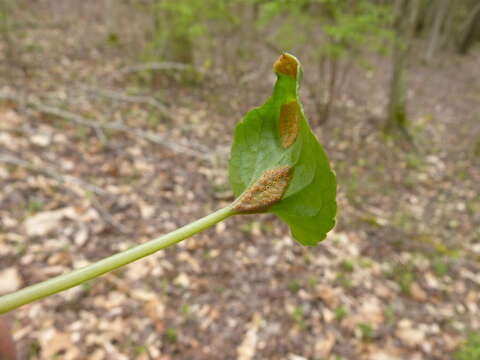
(288, 123)
(266, 191)
(286, 64)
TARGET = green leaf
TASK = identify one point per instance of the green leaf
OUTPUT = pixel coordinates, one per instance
(277, 165)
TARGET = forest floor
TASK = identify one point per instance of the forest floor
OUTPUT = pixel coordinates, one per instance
(93, 161)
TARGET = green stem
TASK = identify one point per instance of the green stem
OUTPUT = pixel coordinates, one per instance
(76, 277)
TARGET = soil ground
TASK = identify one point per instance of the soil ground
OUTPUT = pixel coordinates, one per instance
(398, 278)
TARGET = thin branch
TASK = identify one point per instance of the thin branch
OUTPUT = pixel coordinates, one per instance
(63, 178)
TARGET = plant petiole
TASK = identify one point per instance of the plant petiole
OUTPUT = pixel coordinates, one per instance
(76, 277)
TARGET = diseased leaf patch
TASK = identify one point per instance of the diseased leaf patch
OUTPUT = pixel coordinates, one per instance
(288, 123)
(266, 191)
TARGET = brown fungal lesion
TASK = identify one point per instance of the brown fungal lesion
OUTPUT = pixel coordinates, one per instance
(288, 123)
(266, 191)
(286, 64)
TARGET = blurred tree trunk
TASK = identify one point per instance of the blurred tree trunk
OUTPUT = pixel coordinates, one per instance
(470, 34)
(110, 19)
(171, 37)
(405, 20)
(324, 104)
(6, 30)
(179, 47)
(397, 107)
(438, 22)
(425, 17)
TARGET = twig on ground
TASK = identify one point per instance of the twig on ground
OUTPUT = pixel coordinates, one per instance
(108, 218)
(69, 179)
(67, 115)
(160, 66)
(154, 66)
(116, 95)
(63, 178)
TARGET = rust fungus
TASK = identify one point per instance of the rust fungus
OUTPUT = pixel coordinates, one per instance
(288, 123)
(266, 191)
(286, 64)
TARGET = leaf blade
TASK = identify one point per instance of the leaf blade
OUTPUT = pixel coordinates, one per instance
(276, 135)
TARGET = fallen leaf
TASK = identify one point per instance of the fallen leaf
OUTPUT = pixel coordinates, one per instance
(324, 345)
(247, 349)
(44, 222)
(10, 280)
(417, 292)
(410, 336)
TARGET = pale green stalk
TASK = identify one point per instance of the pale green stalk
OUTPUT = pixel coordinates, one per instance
(79, 276)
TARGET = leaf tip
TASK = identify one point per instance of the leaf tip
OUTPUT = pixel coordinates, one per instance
(287, 64)
(267, 190)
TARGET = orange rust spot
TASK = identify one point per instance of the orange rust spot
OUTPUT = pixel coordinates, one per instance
(266, 191)
(286, 64)
(288, 123)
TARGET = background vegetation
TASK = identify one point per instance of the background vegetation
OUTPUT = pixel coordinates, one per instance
(115, 126)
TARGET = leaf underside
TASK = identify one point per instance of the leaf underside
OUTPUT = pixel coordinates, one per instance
(277, 136)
